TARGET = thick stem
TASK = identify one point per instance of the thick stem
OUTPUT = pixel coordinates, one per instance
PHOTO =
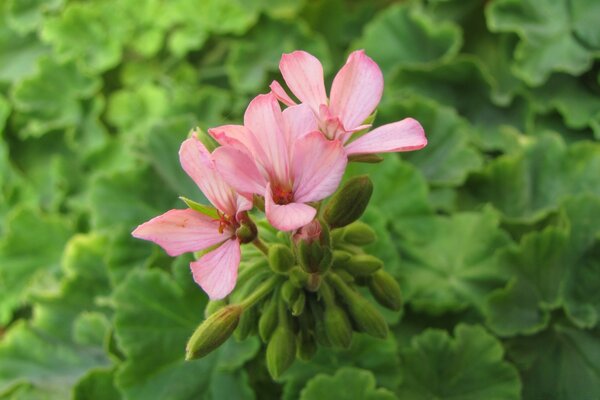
(261, 292)
(261, 246)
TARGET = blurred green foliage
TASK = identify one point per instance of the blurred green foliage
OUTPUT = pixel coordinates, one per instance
(493, 230)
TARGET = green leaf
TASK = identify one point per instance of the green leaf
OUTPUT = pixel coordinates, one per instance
(347, 384)
(547, 40)
(585, 25)
(469, 366)
(252, 58)
(26, 15)
(449, 156)
(528, 185)
(375, 355)
(27, 263)
(401, 36)
(561, 363)
(51, 99)
(201, 208)
(97, 384)
(154, 319)
(452, 262)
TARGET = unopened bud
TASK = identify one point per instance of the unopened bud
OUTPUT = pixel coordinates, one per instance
(363, 265)
(298, 277)
(297, 305)
(205, 138)
(281, 258)
(307, 347)
(268, 319)
(281, 350)
(349, 203)
(213, 332)
(317, 313)
(340, 257)
(247, 324)
(247, 232)
(386, 290)
(289, 292)
(338, 327)
(359, 234)
(313, 247)
(366, 317)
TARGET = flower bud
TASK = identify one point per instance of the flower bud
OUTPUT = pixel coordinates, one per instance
(247, 324)
(386, 290)
(213, 332)
(359, 234)
(298, 277)
(307, 347)
(349, 203)
(281, 350)
(289, 292)
(366, 317)
(205, 138)
(317, 313)
(281, 258)
(362, 265)
(298, 304)
(313, 247)
(268, 319)
(247, 231)
(337, 326)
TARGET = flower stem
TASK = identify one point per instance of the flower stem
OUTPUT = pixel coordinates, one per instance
(261, 246)
(261, 292)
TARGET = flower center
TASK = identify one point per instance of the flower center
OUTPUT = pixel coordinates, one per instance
(224, 221)
(282, 196)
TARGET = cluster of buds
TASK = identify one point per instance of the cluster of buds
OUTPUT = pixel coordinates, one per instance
(304, 290)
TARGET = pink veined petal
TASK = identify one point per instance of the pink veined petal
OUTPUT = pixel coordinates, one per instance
(281, 94)
(405, 135)
(263, 117)
(287, 217)
(232, 135)
(182, 231)
(318, 165)
(303, 74)
(198, 164)
(239, 170)
(299, 120)
(216, 271)
(243, 204)
(329, 124)
(356, 90)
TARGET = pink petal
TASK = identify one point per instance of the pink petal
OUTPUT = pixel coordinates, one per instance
(232, 135)
(318, 165)
(182, 231)
(263, 117)
(197, 163)
(216, 271)
(405, 135)
(281, 94)
(356, 89)
(299, 120)
(239, 170)
(303, 74)
(287, 217)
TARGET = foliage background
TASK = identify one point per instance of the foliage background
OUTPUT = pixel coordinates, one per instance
(493, 230)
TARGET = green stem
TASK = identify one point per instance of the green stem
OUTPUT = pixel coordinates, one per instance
(259, 293)
(261, 246)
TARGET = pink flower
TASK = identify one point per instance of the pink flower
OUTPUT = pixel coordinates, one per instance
(355, 93)
(281, 156)
(181, 231)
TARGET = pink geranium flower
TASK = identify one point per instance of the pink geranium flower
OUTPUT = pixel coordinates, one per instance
(355, 93)
(281, 156)
(181, 231)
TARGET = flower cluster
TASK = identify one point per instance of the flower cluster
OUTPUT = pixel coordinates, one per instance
(285, 160)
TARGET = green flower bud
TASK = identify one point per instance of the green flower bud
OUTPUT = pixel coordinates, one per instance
(314, 282)
(205, 138)
(247, 231)
(362, 265)
(317, 314)
(345, 275)
(213, 332)
(340, 257)
(298, 304)
(349, 203)
(281, 350)
(307, 346)
(289, 292)
(214, 306)
(268, 319)
(363, 313)
(313, 247)
(386, 290)
(359, 234)
(281, 258)
(337, 324)
(247, 324)
(298, 277)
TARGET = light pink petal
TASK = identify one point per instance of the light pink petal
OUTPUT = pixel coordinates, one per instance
(239, 170)
(287, 217)
(182, 231)
(303, 74)
(216, 271)
(263, 117)
(281, 94)
(318, 165)
(243, 204)
(329, 124)
(356, 90)
(232, 135)
(405, 135)
(198, 164)
(299, 120)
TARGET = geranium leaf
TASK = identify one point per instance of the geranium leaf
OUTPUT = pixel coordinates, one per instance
(347, 384)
